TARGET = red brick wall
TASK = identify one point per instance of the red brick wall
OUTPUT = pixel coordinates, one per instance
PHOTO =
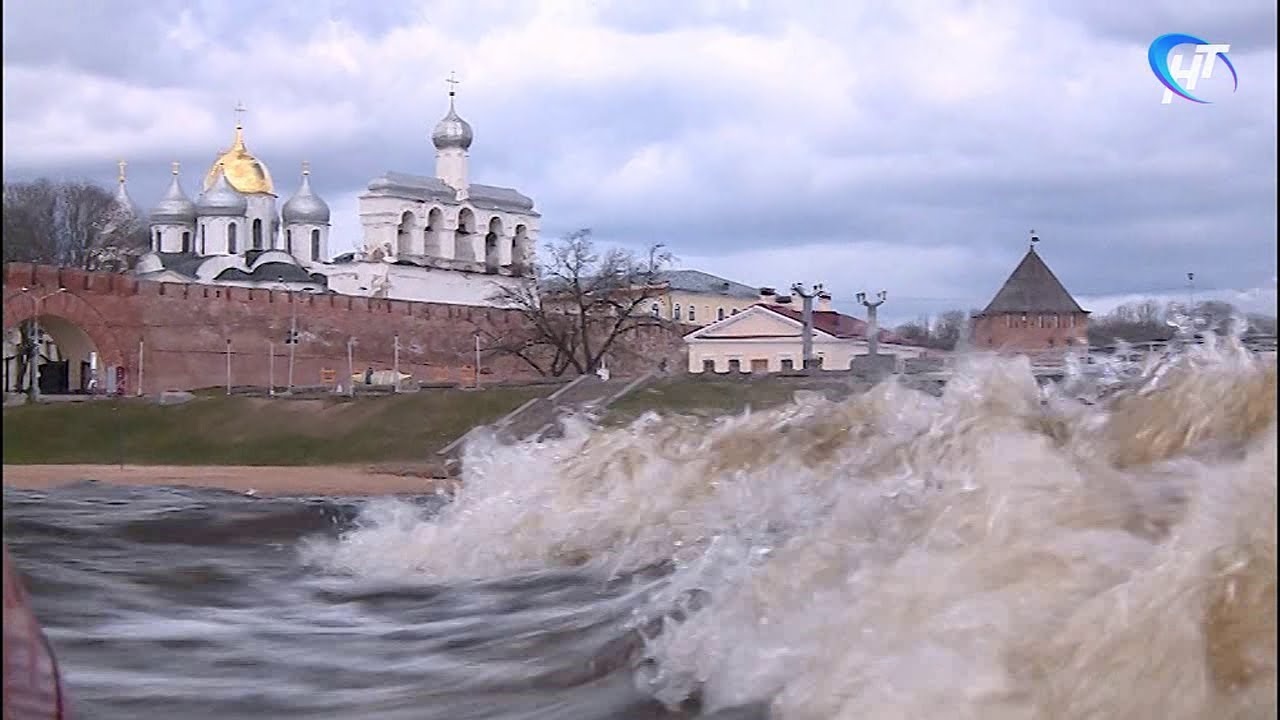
(1011, 333)
(184, 329)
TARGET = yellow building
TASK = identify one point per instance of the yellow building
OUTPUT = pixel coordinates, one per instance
(697, 298)
(691, 297)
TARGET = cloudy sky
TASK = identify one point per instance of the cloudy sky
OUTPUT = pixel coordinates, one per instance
(908, 146)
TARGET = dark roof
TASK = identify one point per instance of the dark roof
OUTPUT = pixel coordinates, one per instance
(1032, 288)
(269, 271)
(181, 263)
(696, 281)
(421, 187)
(834, 323)
(492, 197)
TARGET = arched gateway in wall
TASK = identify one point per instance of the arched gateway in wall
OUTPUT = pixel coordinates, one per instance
(75, 325)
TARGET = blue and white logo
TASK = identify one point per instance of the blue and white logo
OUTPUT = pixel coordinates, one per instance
(1170, 72)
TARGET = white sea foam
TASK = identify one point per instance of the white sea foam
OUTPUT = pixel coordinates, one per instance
(1002, 551)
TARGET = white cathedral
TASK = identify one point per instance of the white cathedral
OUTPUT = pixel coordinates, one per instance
(435, 239)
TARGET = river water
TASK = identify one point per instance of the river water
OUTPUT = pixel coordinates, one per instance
(1006, 550)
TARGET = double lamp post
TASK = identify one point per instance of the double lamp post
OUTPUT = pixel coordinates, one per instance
(33, 391)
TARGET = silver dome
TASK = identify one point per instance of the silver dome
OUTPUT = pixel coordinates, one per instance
(124, 202)
(124, 205)
(175, 207)
(305, 206)
(222, 200)
(452, 131)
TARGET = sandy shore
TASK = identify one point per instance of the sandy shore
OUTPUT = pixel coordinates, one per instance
(324, 480)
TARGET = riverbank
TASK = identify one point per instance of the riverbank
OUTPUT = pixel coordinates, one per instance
(367, 446)
(258, 480)
(237, 430)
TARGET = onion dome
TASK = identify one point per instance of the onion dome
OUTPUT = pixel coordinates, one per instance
(175, 207)
(222, 200)
(305, 206)
(452, 131)
(124, 203)
(245, 173)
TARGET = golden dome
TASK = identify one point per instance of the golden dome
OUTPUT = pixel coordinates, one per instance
(245, 172)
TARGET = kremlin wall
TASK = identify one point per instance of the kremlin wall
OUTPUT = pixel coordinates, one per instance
(175, 335)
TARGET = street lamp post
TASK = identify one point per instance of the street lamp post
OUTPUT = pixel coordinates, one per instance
(34, 390)
(351, 370)
(293, 338)
(873, 324)
(293, 331)
(806, 315)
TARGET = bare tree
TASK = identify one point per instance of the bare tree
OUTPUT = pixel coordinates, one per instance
(584, 302)
(1216, 315)
(69, 224)
(119, 237)
(948, 329)
(915, 332)
(28, 222)
(1261, 324)
(940, 333)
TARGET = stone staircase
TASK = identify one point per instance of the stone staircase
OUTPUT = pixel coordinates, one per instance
(541, 418)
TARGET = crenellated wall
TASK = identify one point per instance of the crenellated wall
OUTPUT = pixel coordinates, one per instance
(182, 331)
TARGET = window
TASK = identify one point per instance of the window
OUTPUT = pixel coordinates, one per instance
(1024, 319)
(315, 244)
(231, 238)
(257, 234)
(1055, 320)
(186, 241)
(1071, 320)
(202, 228)
(735, 311)
(1008, 321)
(691, 318)
(288, 241)
(155, 243)
(719, 313)
(675, 311)
(657, 311)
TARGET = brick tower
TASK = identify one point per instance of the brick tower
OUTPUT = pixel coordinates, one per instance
(1032, 313)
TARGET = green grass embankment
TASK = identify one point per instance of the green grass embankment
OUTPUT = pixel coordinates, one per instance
(393, 430)
(214, 430)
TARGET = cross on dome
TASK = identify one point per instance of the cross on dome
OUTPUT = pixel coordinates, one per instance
(452, 132)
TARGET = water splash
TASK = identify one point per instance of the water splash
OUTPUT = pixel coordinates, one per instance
(1001, 551)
